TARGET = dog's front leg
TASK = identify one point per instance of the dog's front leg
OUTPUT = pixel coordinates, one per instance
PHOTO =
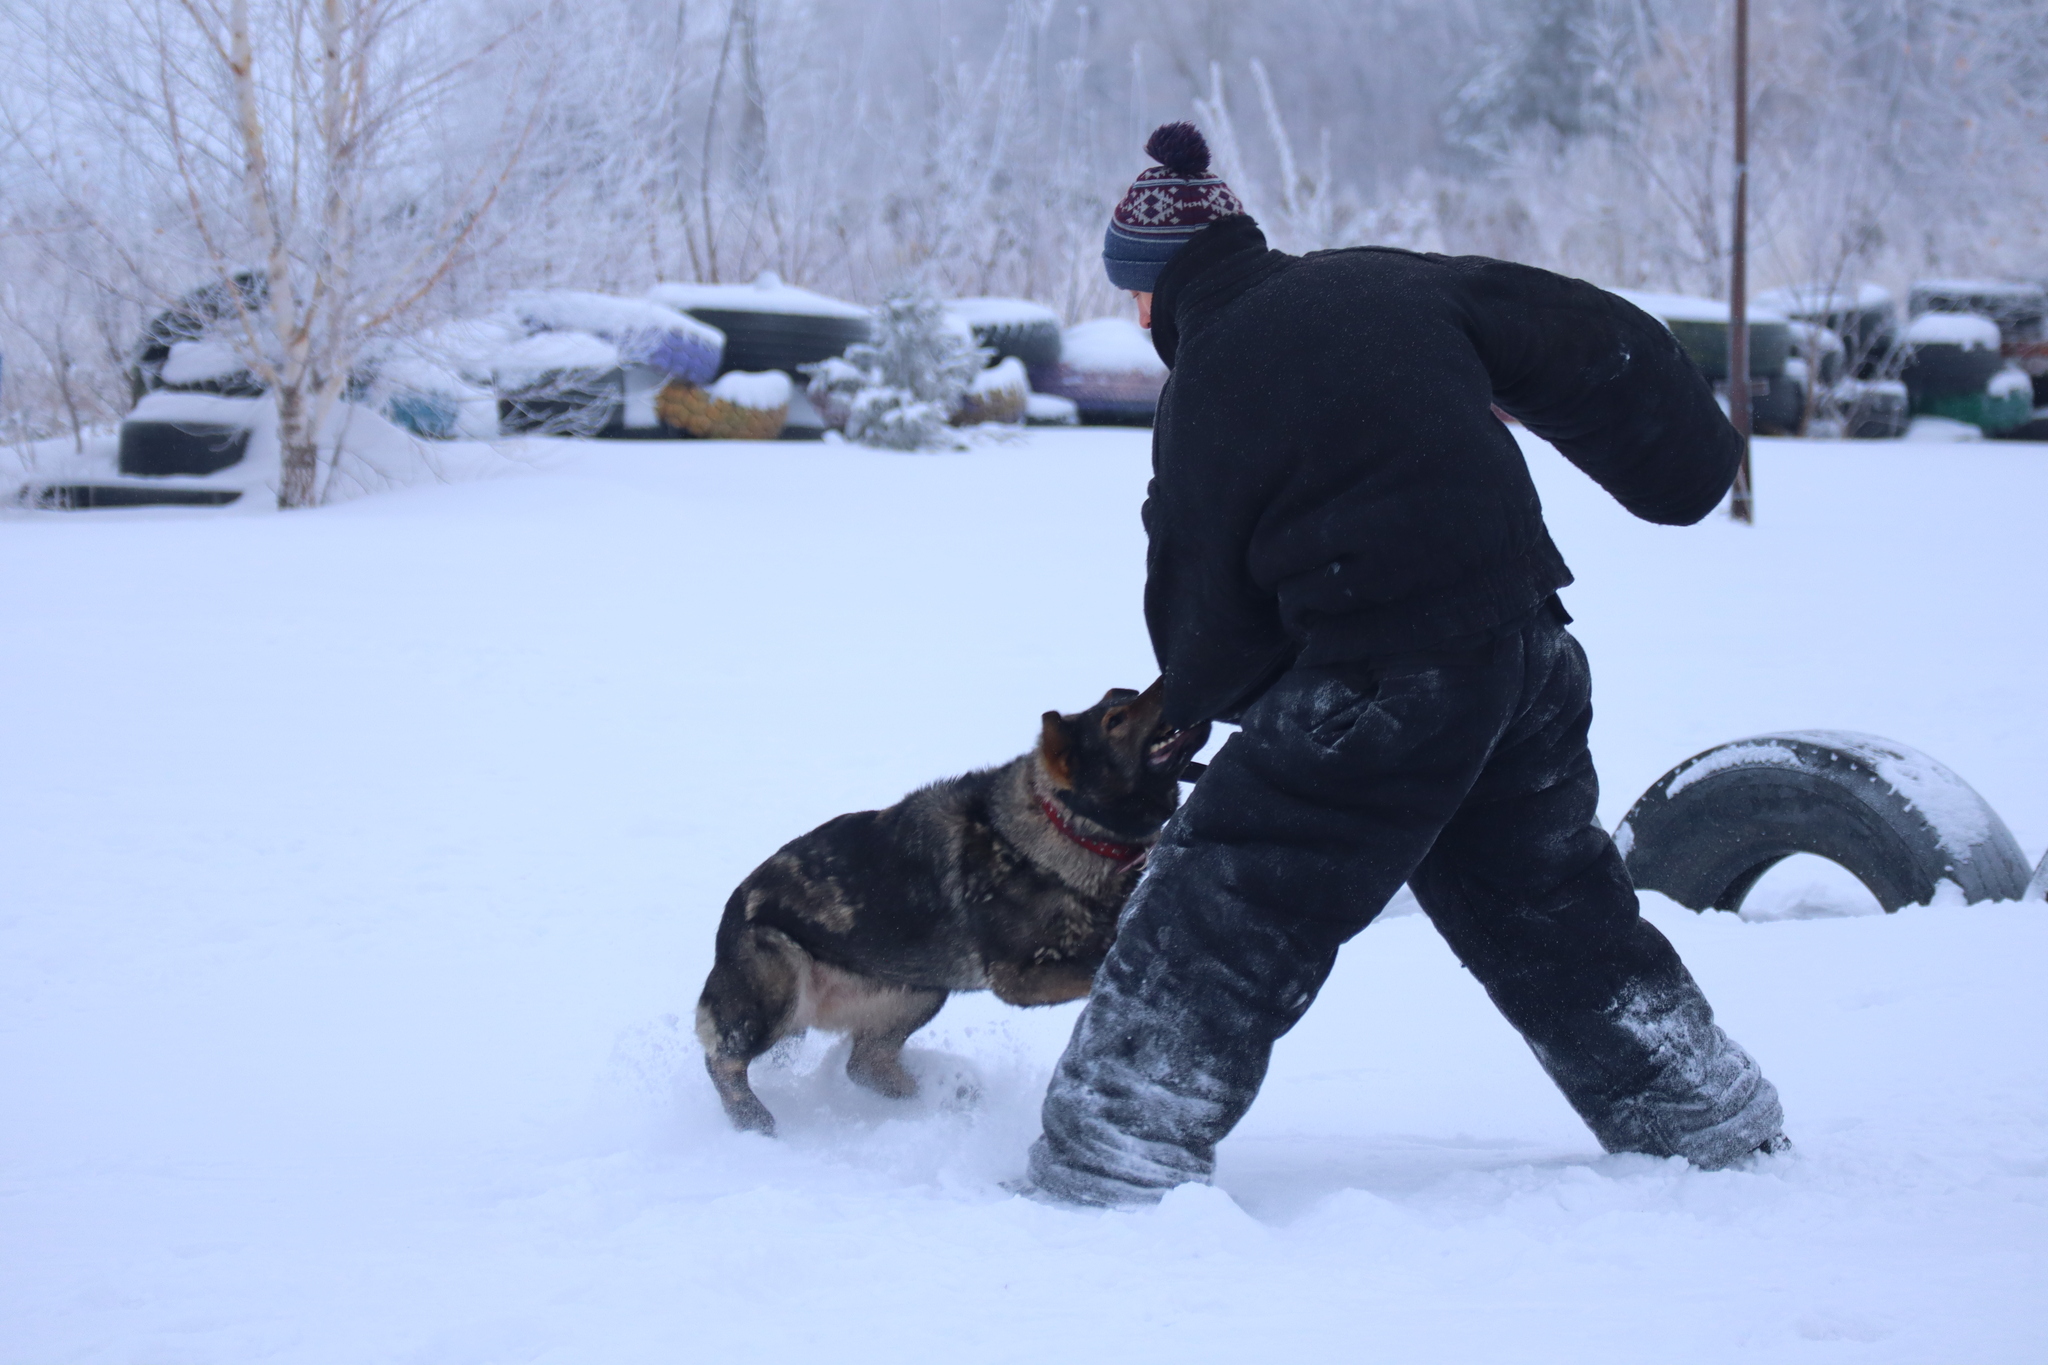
(1040, 983)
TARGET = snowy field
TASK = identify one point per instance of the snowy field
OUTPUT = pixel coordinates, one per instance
(362, 864)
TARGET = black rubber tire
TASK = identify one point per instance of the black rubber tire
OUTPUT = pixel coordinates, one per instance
(2033, 429)
(2020, 313)
(190, 319)
(1102, 400)
(1708, 829)
(180, 447)
(780, 341)
(1943, 370)
(83, 497)
(1780, 410)
(1878, 416)
(1883, 357)
(1770, 345)
(1034, 343)
(1108, 414)
(2037, 889)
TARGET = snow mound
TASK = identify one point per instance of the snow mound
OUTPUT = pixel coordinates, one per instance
(1817, 300)
(1943, 429)
(202, 409)
(363, 865)
(470, 347)
(1692, 307)
(763, 391)
(992, 312)
(1051, 410)
(2009, 381)
(1006, 376)
(1967, 330)
(527, 361)
(767, 294)
(2010, 289)
(605, 315)
(1110, 345)
(197, 362)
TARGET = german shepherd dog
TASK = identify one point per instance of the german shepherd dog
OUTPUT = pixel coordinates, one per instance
(1008, 879)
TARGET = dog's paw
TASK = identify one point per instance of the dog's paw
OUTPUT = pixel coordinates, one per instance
(883, 1075)
(749, 1115)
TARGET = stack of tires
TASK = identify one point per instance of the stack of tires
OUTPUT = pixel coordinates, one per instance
(769, 325)
(1012, 329)
(196, 401)
(1871, 409)
(1849, 341)
(1110, 372)
(1866, 319)
(1956, 370)
(2007, 399)
(1021, 338)
(1777, 393)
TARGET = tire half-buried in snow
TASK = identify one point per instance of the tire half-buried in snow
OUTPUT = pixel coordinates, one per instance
(1893, 817)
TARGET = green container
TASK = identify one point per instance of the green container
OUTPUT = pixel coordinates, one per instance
(1994, 413)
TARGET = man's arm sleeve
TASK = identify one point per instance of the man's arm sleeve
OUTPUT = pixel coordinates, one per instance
(1605, 383)
(1216, 633)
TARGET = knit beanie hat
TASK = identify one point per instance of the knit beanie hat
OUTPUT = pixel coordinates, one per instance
(1165, 206)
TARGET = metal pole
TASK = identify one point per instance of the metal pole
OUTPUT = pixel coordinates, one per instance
(1740, 504)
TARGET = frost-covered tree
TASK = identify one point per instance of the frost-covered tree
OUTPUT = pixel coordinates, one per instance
(282, 142)
(1558, 69)
(901, 390)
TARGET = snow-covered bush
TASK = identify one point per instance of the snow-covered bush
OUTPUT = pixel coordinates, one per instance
(901, 390)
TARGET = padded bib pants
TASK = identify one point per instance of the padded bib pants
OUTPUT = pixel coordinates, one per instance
(1464, 774)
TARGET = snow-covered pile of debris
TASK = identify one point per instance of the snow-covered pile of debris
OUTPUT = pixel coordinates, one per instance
(1965, 330)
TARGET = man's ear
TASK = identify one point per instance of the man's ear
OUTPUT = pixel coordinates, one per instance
(1055, 749)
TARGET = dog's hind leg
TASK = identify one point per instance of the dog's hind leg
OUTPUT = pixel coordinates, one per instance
(888, 1019)
(750, 1003)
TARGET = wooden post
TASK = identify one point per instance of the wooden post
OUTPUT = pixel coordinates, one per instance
(1741, 505)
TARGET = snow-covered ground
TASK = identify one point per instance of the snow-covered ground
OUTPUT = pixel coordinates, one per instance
(361, 867)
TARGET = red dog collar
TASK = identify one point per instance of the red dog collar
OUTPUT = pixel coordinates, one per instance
(1126, 855)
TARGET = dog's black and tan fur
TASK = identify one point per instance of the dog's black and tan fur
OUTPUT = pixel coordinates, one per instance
(867, 923)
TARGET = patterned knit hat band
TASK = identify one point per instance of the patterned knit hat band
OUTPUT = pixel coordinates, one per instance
(1161, 203)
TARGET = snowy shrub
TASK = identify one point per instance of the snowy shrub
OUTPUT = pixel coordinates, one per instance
(901, 390)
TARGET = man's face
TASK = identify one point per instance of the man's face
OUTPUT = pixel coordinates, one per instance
(1144, 308)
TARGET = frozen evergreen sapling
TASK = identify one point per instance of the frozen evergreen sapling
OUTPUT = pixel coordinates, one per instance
(900, 391)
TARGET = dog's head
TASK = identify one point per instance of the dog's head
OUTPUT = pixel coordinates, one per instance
(1117, 763)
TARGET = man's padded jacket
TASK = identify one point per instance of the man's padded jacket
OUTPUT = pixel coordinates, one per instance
(1329, 480)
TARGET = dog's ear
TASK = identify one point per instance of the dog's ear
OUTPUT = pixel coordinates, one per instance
(1055, 749)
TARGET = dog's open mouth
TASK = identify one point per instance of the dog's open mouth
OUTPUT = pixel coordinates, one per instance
(1171, 748)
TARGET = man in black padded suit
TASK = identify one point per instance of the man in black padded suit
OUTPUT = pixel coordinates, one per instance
(1347, 559)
